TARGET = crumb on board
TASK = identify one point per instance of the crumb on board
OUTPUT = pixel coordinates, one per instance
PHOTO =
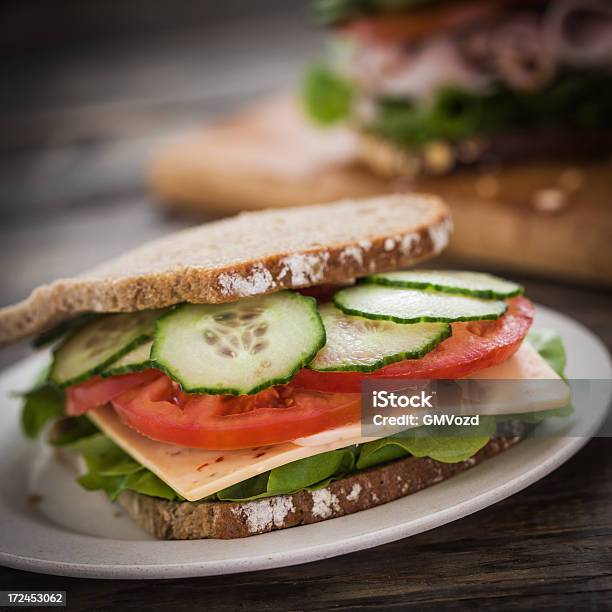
(550, 200)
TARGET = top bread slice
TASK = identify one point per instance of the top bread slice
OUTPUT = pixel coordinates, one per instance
(250, 254)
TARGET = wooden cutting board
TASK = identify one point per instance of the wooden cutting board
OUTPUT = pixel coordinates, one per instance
(551, 218)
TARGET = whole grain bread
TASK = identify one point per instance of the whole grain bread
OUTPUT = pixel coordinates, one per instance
(226, 520)
(252, 253)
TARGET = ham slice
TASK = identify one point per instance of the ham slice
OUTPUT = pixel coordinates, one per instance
(525, 49)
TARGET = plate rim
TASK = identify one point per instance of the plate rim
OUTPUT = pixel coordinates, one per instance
(562, 450)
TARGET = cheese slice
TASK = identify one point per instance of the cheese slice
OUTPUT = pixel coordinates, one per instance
(197, 473)
(496, 398)
(525, 364)
(541, 388)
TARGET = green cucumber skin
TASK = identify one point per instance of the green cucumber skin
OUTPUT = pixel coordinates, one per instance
(446, 333)
(379, 317)
(101, 367)
(229, 391)
(486, 294)
(127, 369)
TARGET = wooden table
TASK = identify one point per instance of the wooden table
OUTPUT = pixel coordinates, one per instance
(80, 119)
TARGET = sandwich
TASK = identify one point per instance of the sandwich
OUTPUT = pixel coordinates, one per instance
(434, 85)
(210, 382)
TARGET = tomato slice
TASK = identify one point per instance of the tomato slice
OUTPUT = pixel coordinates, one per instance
(98, 391)
(152, 404)
(217, 422)
(417, 25)
(474, 346)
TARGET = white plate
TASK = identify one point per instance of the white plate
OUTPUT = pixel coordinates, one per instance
(74, 533)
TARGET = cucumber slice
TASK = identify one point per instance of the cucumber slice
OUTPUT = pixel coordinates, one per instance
(91, 349)
(477, 284)
(136, 360)
(413, 305)
(63, 329)
(241, 347)
(362, 345)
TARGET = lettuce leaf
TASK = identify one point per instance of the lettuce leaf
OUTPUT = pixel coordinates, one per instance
(318, 471)
(41, 404)
(575, 100)
(447, 444)
(112, 470)
(310, 473)
(550, 346)
(70, 429)
(327, 97)
(578, 100)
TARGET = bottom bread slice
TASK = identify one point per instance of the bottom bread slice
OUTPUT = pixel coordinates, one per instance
(366, 489)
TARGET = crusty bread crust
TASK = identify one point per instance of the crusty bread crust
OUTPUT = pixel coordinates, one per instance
(226, 520)
(252, 253)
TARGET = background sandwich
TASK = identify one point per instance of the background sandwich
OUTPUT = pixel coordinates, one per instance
(516, 139)
(210, 380)
(433, 85)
